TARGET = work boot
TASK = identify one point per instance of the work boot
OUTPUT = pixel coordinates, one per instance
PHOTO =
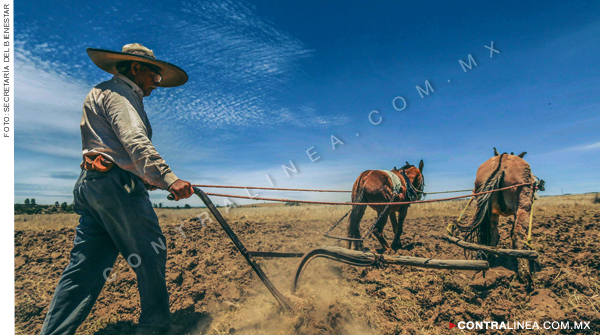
(172, 330)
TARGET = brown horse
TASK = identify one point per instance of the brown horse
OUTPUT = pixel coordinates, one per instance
(503, 170)
(396, 185)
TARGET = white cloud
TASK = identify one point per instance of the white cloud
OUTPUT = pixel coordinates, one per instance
(46, 99)
(240, 64)
(48, 107)
(592, 146)
(585, 147)
(48, 104)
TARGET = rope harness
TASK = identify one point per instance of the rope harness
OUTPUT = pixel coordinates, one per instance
(361, 203)
(412, 194)
(363, 237)
(538, 185)
(326, 234)
(528, 243)
(309, 190)
(451, 225)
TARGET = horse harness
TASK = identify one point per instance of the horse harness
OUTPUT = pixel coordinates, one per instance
(411, 192)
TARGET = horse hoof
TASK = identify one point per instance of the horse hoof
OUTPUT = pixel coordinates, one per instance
(397, 247)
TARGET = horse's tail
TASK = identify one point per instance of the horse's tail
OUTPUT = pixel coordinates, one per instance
(358, 195)
(358, 192)
(481, 224)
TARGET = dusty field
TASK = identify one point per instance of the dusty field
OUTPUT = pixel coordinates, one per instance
(213, 291)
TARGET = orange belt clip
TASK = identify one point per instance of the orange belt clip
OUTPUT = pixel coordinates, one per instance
(96, 163)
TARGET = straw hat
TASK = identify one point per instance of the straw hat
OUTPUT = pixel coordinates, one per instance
(107, 60)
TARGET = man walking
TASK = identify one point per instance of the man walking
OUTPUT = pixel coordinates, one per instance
(116, 216)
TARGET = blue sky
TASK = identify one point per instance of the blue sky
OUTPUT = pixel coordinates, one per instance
(270, 79)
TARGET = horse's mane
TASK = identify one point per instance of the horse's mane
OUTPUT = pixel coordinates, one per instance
(404, 168)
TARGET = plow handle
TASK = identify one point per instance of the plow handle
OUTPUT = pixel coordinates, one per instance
(283, 301)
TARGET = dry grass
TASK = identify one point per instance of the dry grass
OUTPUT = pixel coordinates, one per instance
(45, 221)
(289, 214)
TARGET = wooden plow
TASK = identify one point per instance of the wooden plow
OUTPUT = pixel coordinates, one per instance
(352, 257)
(527, 254)
(365, 258)
(283, 301)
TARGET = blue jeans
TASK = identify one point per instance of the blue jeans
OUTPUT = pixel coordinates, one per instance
(116, 217)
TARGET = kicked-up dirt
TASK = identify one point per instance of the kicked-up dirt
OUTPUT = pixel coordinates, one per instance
(214, 291)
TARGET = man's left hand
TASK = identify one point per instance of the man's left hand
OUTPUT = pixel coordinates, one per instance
(181, 189)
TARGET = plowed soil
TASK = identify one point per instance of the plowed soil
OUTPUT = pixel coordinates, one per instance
(214, 291)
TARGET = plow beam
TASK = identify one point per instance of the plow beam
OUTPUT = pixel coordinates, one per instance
(362, 258)
(527, 254)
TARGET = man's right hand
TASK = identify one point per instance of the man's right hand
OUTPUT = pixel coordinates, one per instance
(181, 189)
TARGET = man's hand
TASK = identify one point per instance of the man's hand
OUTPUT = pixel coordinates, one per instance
(181, 189)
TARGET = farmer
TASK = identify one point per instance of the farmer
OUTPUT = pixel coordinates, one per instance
(119, 166)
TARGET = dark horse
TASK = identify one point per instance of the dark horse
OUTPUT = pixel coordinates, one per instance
(405, 184)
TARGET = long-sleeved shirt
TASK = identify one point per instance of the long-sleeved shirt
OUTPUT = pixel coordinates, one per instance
(115, 125)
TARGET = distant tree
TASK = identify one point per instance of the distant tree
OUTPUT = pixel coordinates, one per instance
(64, 206)
(57, 204)
(160, 205)
(155, 205)
(32, 201)
(187, 206)
(27, 201)
(177, 206)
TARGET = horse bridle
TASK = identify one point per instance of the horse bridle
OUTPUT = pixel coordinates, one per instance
(538, 185)
(412, 193)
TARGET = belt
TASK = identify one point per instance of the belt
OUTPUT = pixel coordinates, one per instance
(96, 163)
(101, 164)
